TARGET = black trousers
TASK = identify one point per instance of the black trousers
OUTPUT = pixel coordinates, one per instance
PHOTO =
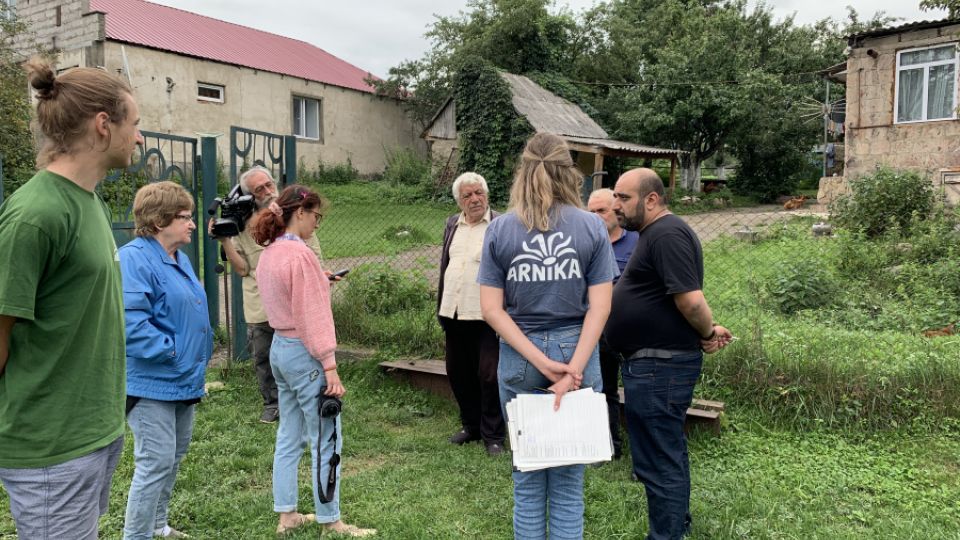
(610, 374)
(259, 338)
(472, 355)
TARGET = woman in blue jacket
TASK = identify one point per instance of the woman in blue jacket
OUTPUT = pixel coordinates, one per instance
(169, 341)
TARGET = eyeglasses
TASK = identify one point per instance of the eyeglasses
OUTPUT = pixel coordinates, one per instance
(264, 188)
(184, 217)
(318, 215)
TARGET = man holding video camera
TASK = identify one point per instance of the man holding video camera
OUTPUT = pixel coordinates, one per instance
(244, 254)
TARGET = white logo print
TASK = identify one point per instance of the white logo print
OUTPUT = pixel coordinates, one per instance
(547, 263)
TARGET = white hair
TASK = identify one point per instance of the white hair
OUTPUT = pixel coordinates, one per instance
(469, 179)
(244, 179)
(602, 192)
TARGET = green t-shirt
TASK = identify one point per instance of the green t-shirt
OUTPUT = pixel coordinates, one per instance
(62, 394)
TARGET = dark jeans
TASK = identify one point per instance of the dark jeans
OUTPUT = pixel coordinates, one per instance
(610, 373)
(657, 394)
(472, 354)
(260, 336)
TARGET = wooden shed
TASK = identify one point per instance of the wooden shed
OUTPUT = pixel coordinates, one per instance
(550, 113)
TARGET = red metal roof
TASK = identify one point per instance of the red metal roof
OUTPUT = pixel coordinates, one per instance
(170, 29)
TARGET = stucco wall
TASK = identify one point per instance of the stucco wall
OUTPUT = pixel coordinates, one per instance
(872, 138)
(355, 125)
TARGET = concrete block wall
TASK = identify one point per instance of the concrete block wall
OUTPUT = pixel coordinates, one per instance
(872, 137)
(78, 28)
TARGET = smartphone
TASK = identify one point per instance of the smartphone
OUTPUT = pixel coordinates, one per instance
(339, 274)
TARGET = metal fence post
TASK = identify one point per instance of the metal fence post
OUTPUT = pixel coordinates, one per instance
(211, 255)
(289, 160)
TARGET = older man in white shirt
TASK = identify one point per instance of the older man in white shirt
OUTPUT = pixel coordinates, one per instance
(472, 349)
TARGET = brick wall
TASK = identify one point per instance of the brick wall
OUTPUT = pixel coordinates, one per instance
(78, 31)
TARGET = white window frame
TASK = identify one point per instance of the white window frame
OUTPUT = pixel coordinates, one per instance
(926, 79)
(210, 86)
(299, 130)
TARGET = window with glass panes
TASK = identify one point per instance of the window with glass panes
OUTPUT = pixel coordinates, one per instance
(306, 117)
(926, 84)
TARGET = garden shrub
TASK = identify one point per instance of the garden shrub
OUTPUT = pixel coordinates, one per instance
(337, 173)
(800, 284)
(885, 201)
(379, 289)
(406, 168)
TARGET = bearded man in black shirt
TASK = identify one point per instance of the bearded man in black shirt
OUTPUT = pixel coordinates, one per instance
(660, 322)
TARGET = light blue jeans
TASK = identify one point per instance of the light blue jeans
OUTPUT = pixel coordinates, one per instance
(299, 380)
(557, 491)
(161, 435)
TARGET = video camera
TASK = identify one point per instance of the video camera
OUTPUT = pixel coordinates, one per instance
(235, 209)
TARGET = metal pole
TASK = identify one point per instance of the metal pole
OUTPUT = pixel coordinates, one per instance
(208, 167)
(826, 118)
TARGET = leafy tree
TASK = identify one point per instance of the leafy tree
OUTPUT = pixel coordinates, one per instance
(952, 6)
(16, 140)
(518, 36)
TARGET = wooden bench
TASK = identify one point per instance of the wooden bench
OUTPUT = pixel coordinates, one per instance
(431, 375)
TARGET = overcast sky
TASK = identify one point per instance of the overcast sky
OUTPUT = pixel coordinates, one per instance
(376, 35)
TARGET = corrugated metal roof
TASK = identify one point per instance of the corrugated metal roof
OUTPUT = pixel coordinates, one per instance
(622, 145)
(918, 25)
(170, 29)
(548, 112)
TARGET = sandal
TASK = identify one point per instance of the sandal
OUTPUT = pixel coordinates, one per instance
(302, 519)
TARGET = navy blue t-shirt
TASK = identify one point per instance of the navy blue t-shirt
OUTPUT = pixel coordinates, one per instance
(545, 275)
(623, 249)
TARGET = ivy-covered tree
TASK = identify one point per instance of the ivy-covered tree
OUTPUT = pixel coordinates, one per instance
(16, 140)
(491, 132)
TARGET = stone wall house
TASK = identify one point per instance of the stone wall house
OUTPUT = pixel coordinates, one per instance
(193, 74)
(902, 101)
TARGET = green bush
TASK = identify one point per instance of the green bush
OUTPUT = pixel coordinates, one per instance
(337, 173)
(800, 284)
(886, 201)
(377, 288)
(406, 168)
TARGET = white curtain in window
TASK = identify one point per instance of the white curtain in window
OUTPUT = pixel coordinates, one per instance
(910, 95)
(940, 91)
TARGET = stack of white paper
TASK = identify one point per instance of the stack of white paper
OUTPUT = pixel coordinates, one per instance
(578, 432)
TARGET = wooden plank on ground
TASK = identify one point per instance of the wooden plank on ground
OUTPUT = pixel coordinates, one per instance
(431, 375)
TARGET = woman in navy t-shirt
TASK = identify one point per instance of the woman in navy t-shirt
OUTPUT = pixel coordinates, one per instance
(545, 286)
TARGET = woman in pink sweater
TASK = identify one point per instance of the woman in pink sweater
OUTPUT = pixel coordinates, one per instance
(296, 296)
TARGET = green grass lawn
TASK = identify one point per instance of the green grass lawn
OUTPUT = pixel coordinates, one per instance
(402, 477)
(363, 220)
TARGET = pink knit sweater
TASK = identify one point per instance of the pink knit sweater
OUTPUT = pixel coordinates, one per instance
(296, 297)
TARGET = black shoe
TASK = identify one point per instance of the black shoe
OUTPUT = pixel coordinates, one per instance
(494, 449)
(463, 436)
(269, 416)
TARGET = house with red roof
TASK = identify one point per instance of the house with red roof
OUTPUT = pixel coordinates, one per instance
(194, 74)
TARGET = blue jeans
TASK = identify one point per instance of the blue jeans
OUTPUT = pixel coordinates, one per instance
(299, 380)
(657, 393)
(161, 435)
(557, 491)
(63, 500)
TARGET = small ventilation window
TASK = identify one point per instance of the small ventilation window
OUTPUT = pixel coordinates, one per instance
(210, 92)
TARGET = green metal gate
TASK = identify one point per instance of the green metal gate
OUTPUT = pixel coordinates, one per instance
(278, 153)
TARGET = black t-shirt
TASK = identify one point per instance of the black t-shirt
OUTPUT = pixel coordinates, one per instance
(668, 260)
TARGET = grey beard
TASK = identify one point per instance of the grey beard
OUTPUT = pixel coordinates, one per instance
(266, 202)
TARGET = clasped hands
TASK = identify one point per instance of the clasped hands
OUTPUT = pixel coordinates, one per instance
(565, 378)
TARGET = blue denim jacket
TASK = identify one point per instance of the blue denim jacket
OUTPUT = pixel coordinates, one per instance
(169, 339)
